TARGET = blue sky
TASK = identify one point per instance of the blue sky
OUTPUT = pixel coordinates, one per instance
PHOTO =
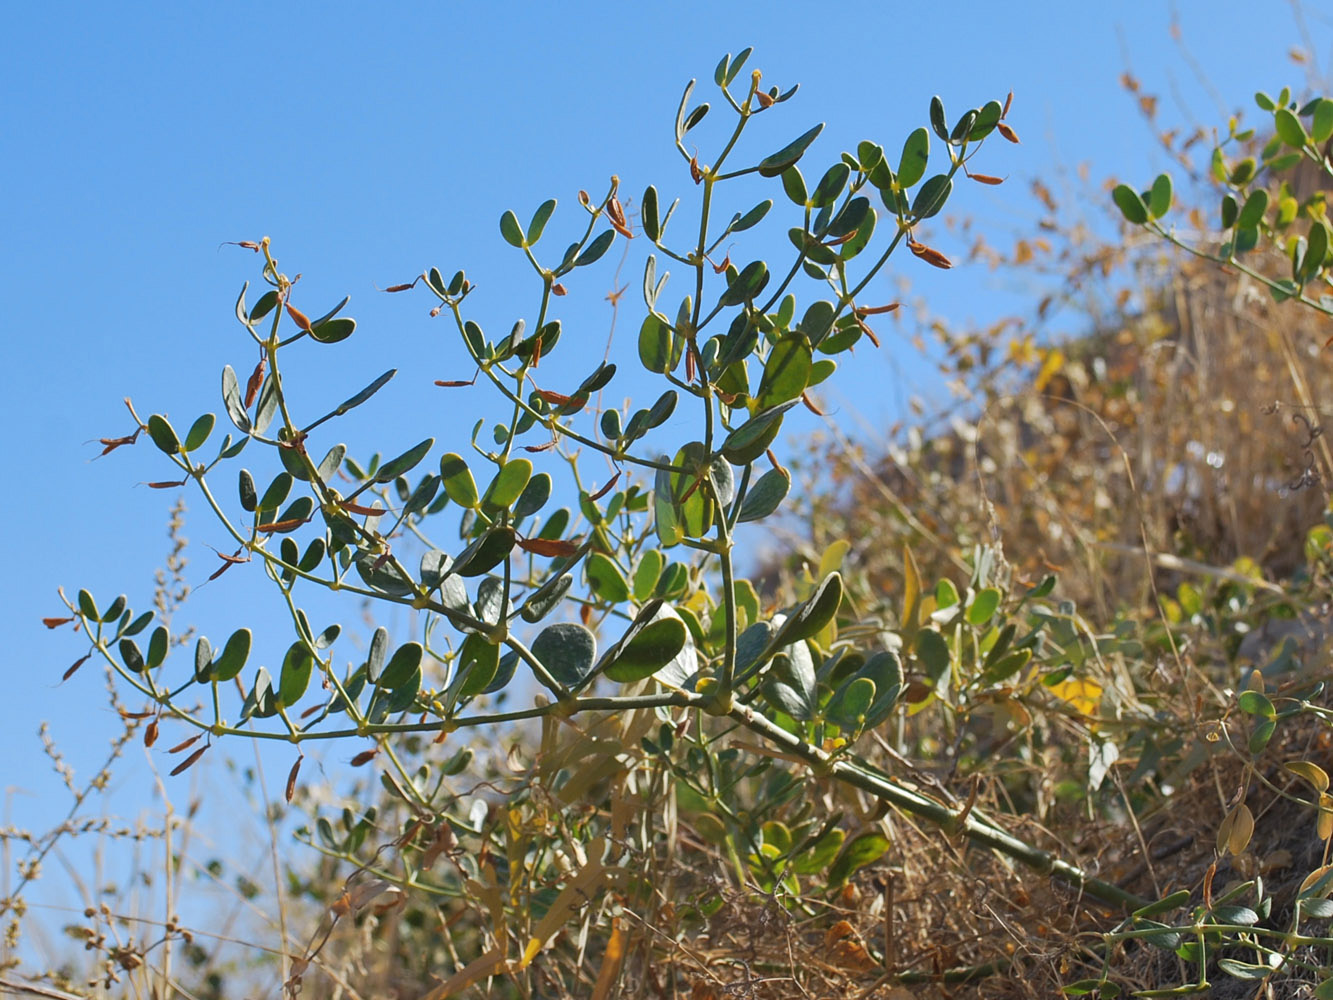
(372, 141)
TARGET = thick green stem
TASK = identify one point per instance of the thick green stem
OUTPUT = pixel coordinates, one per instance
(971, 824)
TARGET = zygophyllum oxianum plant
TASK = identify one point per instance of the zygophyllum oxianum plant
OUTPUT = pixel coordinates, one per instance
(628, 601)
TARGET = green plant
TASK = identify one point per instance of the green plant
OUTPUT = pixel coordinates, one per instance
(704, 701)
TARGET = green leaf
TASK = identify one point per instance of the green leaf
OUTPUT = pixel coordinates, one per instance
(983, 606)
(267, 406)
(478, 663)
(661, 410)
(1321, 124)
(379, 649)
(231, 400)
(776, 163)
(794, 185)
(539, 219)
(648, 214)
(1263, 732)
(849, 219)
(765, 495)
(1230, 211)
(666, 523)
(157, 647)
(129, 652)
(597, 381)
(646, 574)
(1243, 172)
(294, 677)
(933, 651)
(534, 495)
(660, 347)
(813, 614)
(931, 196)
(567, 651)
(748, 284)
(277, 492)
(869, 155)
(734, 65)
(850, 703)
(510, 230)
(654, 639)
(821, 852)
(962, 129)
(1006, 666)
(916, 154)
(748, 441)
(937, 119)
(299, 512)
(696, 116)
(381, 574)
(422, 495)
(1316, 249)
(1257, 703)
(817, 321)
(1244, 970)
(1130, 204)
(753, 217)
(790, 684)
(231, 661)
(402, 665)
(1159, 199)
(886, 671)
(680, 112)
(596, 249)
(605, 579)
(1252, 213)
(260, 702)
(365, 393)
(87, 606)
(545, 598)
(486, 552)
(986, 120)
(266, 304)
(163, 435)
(1171, 901)
(114, 610)
(203, 660)
(830, 185)
(861, 851)
(1289, 128)
(198, 432)
(404, 463)
(508, 484)
(458, 481)
(334, 330)
(786, 371)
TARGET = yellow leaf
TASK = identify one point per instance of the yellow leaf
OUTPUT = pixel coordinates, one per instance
(831, 560)
(477, 969)
(1055, 360)
(1236, 830)
(1324, 826)
(911, 590)
(611, 959)
(1311, 879)
(1310, 771)
(530, 952)
(1081, 694)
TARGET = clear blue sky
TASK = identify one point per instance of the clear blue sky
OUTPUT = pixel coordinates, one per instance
(372, 141)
